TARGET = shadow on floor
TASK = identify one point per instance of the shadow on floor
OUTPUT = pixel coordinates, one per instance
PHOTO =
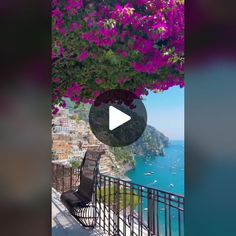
(63, 224)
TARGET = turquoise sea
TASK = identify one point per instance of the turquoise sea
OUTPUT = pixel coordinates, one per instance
(163, 173)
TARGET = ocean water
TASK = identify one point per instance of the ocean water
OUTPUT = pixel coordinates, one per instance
(166, 174)
(163, 173)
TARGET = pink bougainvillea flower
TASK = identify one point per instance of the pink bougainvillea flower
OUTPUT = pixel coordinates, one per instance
(62, 51)
(76, 88)
(72, 6)
(99, 81)
(88, 101)
(63, 104)
(55, 80)
(121, 81)
(69, 92)
(62, 31)
(137, 66)
(55, 110)
(140, 2)
(96, 94)
(55, 3)
(124, 54)
(54, 97)
(181, 83)
(143, 46)
(74, 26)
(124, 14)
(83, 56)
(57, 16)
(73, 92)
(138, 92)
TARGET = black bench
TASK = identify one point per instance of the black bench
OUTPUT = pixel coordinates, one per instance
(79, 202)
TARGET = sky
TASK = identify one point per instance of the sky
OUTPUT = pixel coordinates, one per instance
(165, 112)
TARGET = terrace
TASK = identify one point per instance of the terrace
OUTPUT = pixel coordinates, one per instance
(64, 224)
(122, 208)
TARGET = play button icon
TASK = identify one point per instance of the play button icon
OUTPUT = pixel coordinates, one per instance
(117, 118)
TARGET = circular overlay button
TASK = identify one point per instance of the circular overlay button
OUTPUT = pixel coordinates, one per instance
(117, 118)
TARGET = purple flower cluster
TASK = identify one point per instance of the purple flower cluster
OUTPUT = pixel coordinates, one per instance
(148, 34)
(73, 93)
(72, 6)
(83, 56)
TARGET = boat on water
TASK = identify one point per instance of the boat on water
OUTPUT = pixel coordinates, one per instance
(171, 185)
(149, 173)
(155, 181)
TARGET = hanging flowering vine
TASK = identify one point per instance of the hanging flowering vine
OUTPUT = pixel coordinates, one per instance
(99, 45)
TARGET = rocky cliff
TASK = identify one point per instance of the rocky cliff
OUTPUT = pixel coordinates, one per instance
(151, 142)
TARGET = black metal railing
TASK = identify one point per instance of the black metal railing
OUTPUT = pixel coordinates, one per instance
(64, 178)
(125, 208)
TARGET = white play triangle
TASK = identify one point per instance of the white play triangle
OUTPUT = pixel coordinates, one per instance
(117, 118)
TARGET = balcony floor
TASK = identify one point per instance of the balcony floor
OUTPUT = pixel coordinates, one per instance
(63, 224)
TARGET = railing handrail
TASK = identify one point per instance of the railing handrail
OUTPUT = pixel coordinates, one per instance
(143, 186)
(130, 182)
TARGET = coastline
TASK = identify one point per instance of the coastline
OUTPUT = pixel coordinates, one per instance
(163, 173)
(124, 170)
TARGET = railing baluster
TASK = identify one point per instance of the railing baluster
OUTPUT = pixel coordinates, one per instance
(157, 215)
(71, 173)
(169, 212)
(124, 209)
(139, 211)
(118, 206)
(179, 218)
(63, 176)
(150, 212)
(166, 233)
(100, 198)
(132, 208)
(109, 205)
(104, 204)
(153, 214)
(60, 179)
(113, 206)
(95, 197)
(56, 177)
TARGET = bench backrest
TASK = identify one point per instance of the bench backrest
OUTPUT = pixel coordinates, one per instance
(88, 172)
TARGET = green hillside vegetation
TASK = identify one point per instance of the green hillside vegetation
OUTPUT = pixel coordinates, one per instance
(75, 164)
(123, 155)
(111, 197)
